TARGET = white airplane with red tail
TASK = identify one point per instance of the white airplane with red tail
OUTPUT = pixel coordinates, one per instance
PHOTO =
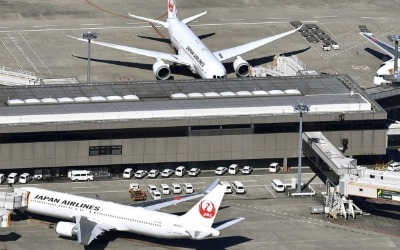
(191, 51)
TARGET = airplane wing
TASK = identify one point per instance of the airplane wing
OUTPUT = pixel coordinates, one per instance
(225, 54)
(158, 204)
(88, 230)
(388, 49)
(154, 54)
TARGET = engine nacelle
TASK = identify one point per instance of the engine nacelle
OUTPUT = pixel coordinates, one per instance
(241, 67)
(66, 229)
(161, 70)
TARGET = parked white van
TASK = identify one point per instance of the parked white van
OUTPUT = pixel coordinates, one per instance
(233, 169)
(81, 175)
(238, 187)
(228, 187)
(25, 178)
(188, 188)
(277, 185)
(2, 178)
(180, 171)
(155, 195)
(274, 167)
(12, 178)
(176, 188)
(128, 173)
(164, 189)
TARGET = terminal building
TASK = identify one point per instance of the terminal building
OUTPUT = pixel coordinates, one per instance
(107, 127)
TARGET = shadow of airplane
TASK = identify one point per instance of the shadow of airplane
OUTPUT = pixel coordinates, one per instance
(9, 237)
(184, 70)
(207, 243)
(377, 54)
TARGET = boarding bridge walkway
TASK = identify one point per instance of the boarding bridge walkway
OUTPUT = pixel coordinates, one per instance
(317, 144)
(11, 201)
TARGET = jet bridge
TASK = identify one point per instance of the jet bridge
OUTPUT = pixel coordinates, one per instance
(332, 156)
(10, 201)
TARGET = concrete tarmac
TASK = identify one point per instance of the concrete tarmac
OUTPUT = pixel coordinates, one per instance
(273, 220)
(33, 35)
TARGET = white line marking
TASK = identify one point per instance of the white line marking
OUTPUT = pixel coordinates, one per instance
(370, 17)
(90, 24)
(324, 16)
(86, 187)
(230, 20)
(280, 18)
(40, 26)
(270, 191)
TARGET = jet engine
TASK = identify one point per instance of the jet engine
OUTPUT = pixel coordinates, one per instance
(241, 67)
(66, 229)
(161, 70)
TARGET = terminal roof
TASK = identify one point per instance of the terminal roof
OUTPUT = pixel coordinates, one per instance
(201, 98)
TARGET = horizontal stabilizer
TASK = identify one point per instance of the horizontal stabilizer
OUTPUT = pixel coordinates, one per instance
(190, 19)
(226, 223)
(164, 24)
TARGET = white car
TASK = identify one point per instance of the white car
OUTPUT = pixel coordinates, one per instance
(221, 170)
(194, 171)
(395, 166)
(167, 172)
(153, 173)
(188, 188)
(156, 195)
(140, 174)
(247, 170)
(151, 188)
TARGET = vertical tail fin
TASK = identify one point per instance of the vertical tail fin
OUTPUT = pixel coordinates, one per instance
(172, 9)
(205, 211)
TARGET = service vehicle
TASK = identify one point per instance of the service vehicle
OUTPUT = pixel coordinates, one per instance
(247, 170)
(164, 189)
(221, 170)
(176, 188)
(81, 175)
(180, 171)
(151, 188)
(137, 194)
(140, 174)
(274, 167)
(238, 187)
(228, 189)
(155, 195)
(167, 172)
(153, 173)
(12, 178)
(25, 178)
(128, 173)
(326, 47)
(395, 166)
(277, 185)
(188, 188)
(335, 46)
(194, 171)
(233, 169)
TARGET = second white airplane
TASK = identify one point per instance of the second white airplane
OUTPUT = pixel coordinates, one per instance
(191, 51)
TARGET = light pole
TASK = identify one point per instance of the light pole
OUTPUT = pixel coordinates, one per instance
(300, 108)
(395, 39)
(89, 36)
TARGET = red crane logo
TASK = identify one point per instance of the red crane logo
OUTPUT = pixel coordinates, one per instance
(207, 209)
(171, 5)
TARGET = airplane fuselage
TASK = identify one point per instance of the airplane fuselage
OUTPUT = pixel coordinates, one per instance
(120, 217)
(386, 69)
(188, 44)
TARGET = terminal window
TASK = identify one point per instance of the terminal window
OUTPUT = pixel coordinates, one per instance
(105, 150)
